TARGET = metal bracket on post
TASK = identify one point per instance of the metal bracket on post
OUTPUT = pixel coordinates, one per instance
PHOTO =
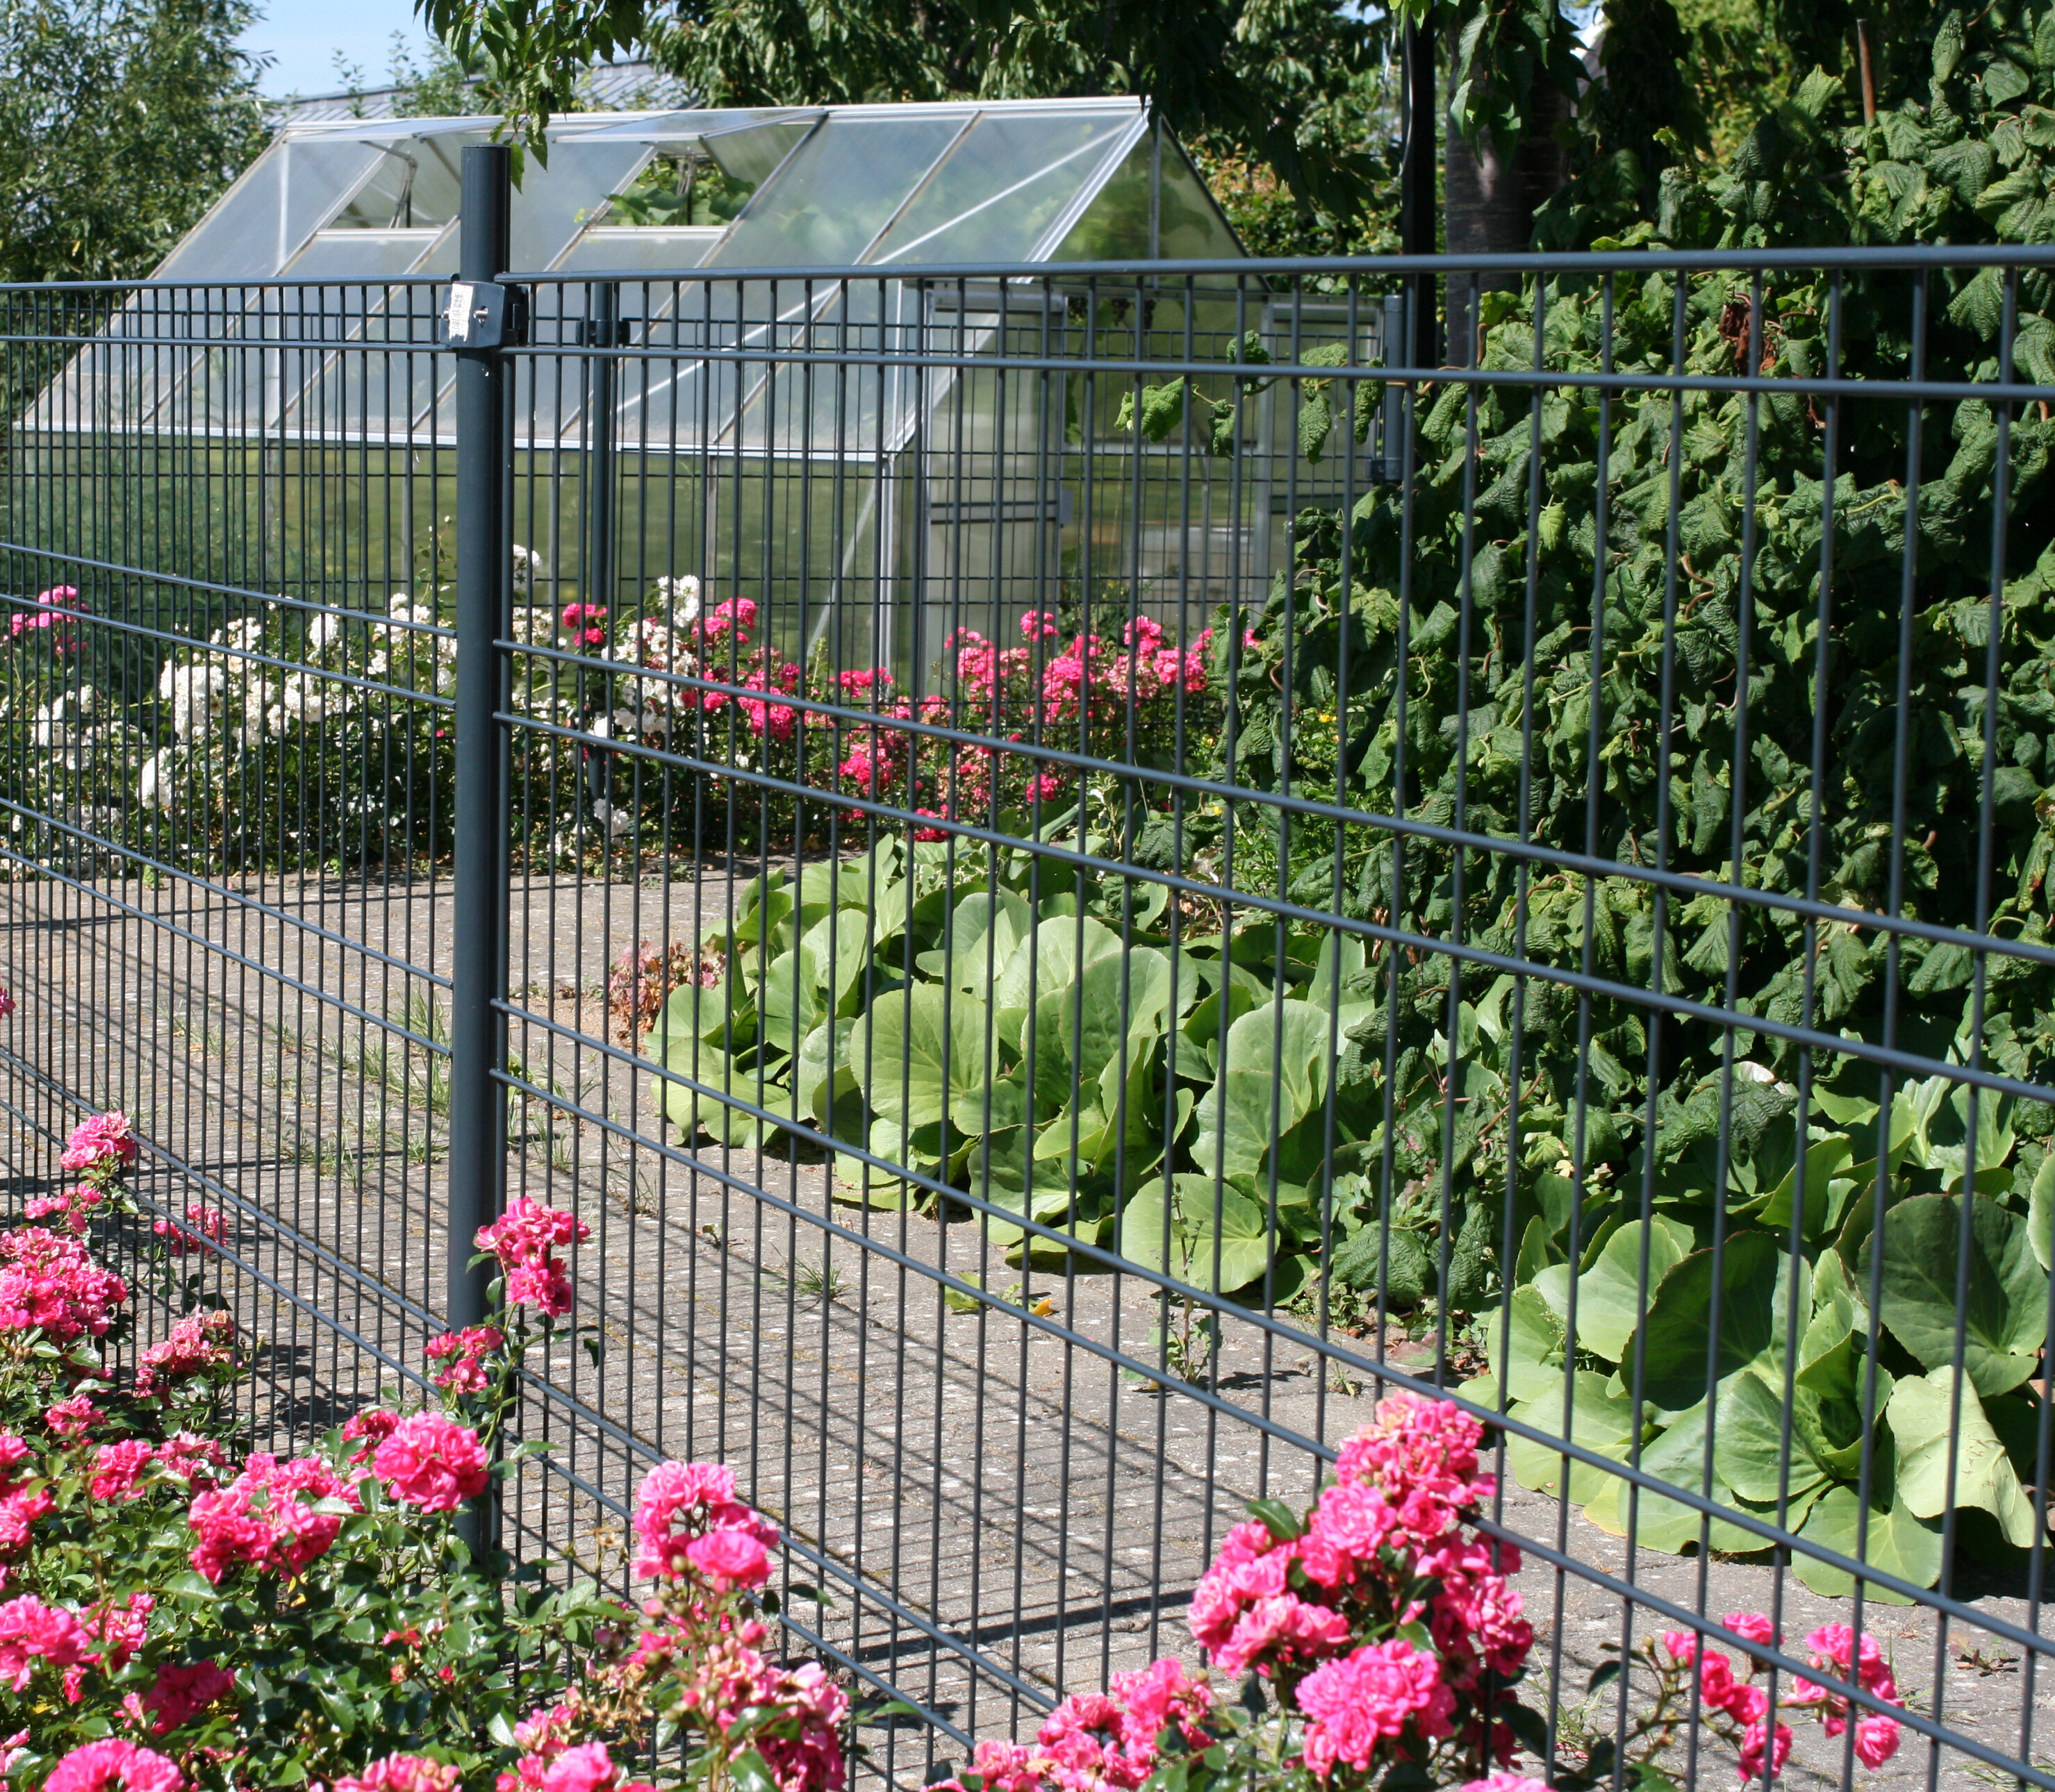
(477, 320)
(485, 314)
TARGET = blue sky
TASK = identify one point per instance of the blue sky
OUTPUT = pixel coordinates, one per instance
(301, 37)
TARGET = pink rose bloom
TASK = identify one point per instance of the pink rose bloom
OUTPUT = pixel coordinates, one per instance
(31, 1632)
(102, 1138)
(729, 1559)
(369, 1428)
(529, 1230)
(118, 1468)
(267, 1516)
(586, 1768)
(183, 1692)
(464, 1354)
(48, 1282)
(432, 1462)
(21, 1509)
(198, 1345)
(73, 1417)
(1752, 1744)
(1006, 1767)
(1753, 1627)
(1830, 1646)
(114, 1766)
(6, 1004)
(1877, 1739)
(542, 1285)
(119, 1629)
(404, 1773)
(191, 1458)
(1503, 1783)
(1353, 1704)
(1286, 1627)
(209, 1228)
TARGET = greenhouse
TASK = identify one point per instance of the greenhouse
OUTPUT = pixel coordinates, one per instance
(959, 474)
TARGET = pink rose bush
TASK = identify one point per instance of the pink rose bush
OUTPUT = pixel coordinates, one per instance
(1381, 1625)
(432, 1461)
(525, 1240)
(101, 1147)
(174, 1614)
(681, 675)
(1691, 1684)
(692, 1658)
(463, 1355)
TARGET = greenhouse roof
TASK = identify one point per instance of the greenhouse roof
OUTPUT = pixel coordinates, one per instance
(903, 185)
(350, 215)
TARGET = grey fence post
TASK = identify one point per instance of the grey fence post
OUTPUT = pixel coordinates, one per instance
(484, 570)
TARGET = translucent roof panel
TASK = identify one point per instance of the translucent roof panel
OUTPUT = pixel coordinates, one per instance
(1000, 188)
(260, 223)
(845, 183)
(1114, 225)
(752, 153)
(364, 254)
(622, 248)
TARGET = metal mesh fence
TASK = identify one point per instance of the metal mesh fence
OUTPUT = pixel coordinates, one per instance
(1084, 872)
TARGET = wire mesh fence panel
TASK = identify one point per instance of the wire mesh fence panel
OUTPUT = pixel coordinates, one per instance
(1091, 874)
(228, 802)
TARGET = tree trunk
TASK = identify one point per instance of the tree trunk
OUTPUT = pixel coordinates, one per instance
(1489, 201)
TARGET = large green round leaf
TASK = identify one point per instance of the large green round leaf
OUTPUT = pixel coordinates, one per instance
(922, 1051)
(1947, 1457)
(1677, 1457)
(2005, 1310)
(1751, 1292)
(1609, 1293)
(1748, 1442)
(1600, 1420)
(1206, 1225)
(1894, 1540)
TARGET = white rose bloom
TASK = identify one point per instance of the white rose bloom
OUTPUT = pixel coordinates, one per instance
(303, 699)
(324, 631)
(157, 787)
(242, 637)
(682, 594)
(527, 567)
(58, 723)
(190, 691)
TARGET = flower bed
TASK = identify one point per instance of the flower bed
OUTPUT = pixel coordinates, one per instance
(175, 1614)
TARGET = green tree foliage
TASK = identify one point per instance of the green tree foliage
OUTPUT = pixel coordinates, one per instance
(121, 122)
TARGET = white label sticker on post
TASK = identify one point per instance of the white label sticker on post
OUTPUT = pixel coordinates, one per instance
(457, 316)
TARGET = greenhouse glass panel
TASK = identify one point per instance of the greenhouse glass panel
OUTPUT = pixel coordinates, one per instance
(1002, 187)
(1189, 224)
(368, 254)
(1113, 224)
(555, 201)
(840, 188)
(260, 223)
(629, 249)
(750, 153)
